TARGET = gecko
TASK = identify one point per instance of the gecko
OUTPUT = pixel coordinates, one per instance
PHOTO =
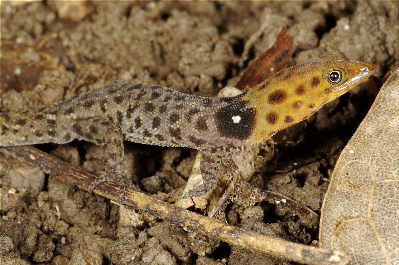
(156, 115)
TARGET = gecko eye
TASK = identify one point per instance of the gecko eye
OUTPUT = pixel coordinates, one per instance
(334, 77)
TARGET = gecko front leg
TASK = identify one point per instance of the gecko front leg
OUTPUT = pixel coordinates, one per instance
(108, 135)
(113, 154)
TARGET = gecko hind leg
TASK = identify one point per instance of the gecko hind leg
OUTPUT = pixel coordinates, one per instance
(210, 166)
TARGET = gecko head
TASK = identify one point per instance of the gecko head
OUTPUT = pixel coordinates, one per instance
(326, 79)
(295, 93)
(339, 76)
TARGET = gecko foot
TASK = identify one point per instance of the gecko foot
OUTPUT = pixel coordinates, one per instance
(122, 191)
(196, 192)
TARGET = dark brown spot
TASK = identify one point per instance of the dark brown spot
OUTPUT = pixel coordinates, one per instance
(138, 122)
(119, 117)
(88, 104)
(263, 86)
(146, 133)
(157, 87)
(191, 113)
(149, 107)
(179, 106)
(69, 111)
(131, 129)
(159, 137)
(287, 76)
(103, 106)
(311, 106)
(88, 136)
(163, 108)
(140, 95)
(118, 100)
(201, 125)
(24, 112)
(93, 129)
(38, 133)
(298, 104)
(288, 119)
(130, 110)
(180, 97)
(272, 117)
(175, 133)
(67, 137)
(155, 95)
(174, 117)
(51, 122)
(167, 99)
(135, 86)
(229, 99)
(300, 90)
(156, 122)
(196, 141)
(20, 122)
(206, 102)
(77, 128)
(3, 130)
(277, 97)
(38, 117)
(112, 90)
(5, 116)
(315, 81)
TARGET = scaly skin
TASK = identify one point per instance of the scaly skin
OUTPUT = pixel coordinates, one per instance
(156, 115)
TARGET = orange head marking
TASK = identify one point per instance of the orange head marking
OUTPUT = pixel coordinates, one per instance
(281, 102)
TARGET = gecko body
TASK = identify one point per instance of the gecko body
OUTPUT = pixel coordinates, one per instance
(156, 115)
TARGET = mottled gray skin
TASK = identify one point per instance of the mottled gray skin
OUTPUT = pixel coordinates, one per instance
(141, 113)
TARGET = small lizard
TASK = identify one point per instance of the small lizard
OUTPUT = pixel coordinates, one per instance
(156, 115)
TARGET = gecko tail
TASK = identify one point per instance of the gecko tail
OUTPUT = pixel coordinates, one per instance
(28, 127)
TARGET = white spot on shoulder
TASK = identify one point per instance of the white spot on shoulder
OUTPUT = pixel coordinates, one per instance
(236, 119)
(17, 71)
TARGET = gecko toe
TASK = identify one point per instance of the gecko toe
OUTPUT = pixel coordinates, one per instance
(196, 192)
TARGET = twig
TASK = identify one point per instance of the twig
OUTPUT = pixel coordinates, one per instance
(190, 221)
